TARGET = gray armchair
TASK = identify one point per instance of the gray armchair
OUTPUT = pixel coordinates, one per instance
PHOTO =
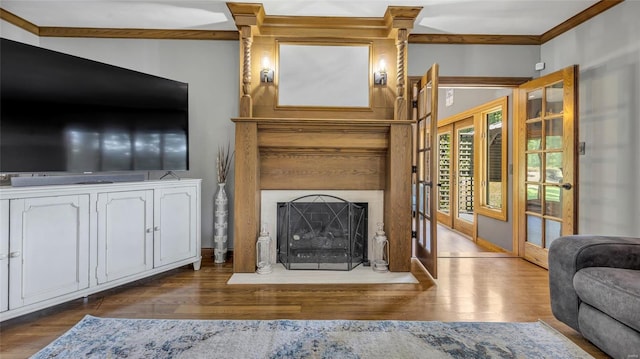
(595, 289)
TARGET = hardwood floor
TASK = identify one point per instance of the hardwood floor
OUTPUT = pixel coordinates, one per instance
(469, 289)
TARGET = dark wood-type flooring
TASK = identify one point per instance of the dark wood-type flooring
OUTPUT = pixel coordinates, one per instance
(469, 288)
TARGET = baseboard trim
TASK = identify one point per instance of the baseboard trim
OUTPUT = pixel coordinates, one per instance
(208, 253)
(491, 246)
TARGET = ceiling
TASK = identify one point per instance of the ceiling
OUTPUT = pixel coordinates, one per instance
(486, 17)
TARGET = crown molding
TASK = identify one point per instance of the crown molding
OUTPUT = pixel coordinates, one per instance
(51, 31)
(469, 39)
(569, 24)
(253, 15)
(588, 13)
(19, 22)
(137, 33)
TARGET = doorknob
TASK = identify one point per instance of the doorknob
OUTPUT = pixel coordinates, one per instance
(567, 186)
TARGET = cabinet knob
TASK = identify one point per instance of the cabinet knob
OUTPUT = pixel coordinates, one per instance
(149, 230)
(14, 254)
(3, 256)
(156, 228)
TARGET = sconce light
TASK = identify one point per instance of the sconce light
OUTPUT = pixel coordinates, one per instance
(380, 76)
(266, 74)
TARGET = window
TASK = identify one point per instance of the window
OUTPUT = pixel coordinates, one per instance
(493, 165)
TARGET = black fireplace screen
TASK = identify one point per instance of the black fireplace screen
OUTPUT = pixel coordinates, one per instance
(322, 232)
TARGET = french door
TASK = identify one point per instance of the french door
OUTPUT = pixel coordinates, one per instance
(455, 176)
(425, 137)
(445, 174)
(546, 178)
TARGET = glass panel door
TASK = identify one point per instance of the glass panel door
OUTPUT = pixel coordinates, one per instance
(547, 151)
(425, 245)
(464, 164)
(544, 164)
(463, 190)
(445, 174)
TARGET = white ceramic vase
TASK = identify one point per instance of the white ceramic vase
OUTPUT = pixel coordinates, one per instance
(220, 225)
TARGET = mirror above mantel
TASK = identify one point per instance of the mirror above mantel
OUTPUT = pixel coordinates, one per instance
(324, 75)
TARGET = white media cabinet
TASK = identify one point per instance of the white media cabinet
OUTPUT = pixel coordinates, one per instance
(59, 243)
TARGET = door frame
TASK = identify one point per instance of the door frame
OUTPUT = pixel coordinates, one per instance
(471, 81)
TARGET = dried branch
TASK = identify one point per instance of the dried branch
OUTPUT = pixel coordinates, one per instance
(223, 162)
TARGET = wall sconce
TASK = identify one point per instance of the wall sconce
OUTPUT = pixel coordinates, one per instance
(267, 73)
(380, 76)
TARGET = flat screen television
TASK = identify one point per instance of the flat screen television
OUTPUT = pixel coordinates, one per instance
(62, 113)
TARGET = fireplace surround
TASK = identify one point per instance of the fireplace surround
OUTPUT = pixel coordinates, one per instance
(321, 155)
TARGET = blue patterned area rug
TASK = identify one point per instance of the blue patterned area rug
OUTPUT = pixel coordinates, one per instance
(154, 338)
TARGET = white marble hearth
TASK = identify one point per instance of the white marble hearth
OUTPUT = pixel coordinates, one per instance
(358, 275)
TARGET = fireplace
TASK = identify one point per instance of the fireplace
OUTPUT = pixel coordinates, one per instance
(270, 199)
(321, 232)
(292, 155)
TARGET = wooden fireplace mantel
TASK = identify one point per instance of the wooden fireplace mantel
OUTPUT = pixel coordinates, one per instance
(326, 148)
(322, 154)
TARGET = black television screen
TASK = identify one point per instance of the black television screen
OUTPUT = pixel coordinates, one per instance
(62, 113)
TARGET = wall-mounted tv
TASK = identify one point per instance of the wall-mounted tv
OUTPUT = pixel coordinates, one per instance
(62, 113)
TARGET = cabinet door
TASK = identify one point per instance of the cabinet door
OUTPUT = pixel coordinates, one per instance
(176, 218)
(125, 234)
(4, 255)
(49, 244)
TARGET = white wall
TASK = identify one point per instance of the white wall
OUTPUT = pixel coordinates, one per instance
(465, 99)
(12, 32)
(607, 50)
(211, 70)
(474, 60)
(480, 60)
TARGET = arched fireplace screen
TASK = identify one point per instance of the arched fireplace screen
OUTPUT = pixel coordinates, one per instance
(322, 232)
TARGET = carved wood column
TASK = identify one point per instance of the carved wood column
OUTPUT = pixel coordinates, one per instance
(246, 103)
(248, 18)
(400, 107)
(246, 211)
